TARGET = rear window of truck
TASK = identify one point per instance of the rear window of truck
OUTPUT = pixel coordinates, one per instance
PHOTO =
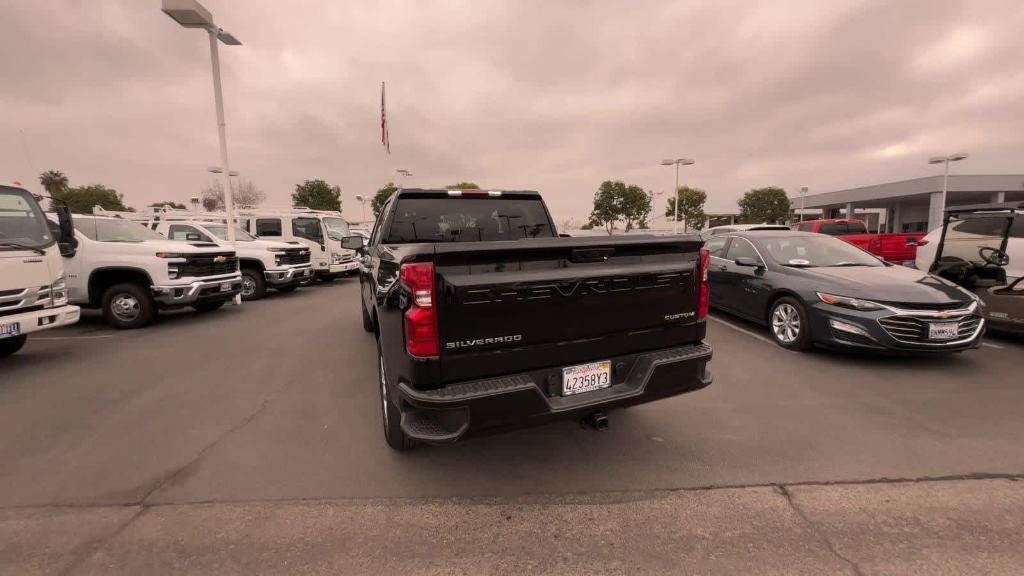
(447, 219)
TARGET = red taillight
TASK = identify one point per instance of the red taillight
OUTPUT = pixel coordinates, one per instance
(421, 317)
(705, 291)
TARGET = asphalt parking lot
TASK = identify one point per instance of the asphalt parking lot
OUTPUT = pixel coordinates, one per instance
(248, 440)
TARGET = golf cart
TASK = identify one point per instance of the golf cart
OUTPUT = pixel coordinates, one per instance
(972, 252)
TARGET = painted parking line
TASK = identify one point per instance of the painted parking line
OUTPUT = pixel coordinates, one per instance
(94, 337)
(743, 330)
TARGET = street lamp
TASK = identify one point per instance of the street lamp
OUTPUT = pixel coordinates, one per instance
(675, 191)
(363, 200)
(192, 14)
(945, 174)
(803, 192)
(404, 174)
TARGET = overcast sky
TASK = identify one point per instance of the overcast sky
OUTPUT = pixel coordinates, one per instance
(548, 95)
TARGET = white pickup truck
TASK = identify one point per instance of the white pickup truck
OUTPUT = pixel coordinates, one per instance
(130, 271)
(320, 230)
(33, 291)
(264, 263)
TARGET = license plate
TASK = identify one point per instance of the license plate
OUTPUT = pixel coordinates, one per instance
(586, 377)
(942, 331)
(10, 330)
(225, 286)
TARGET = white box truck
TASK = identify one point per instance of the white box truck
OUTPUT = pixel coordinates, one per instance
(33, 289)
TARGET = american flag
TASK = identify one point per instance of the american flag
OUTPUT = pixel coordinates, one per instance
(384, 122)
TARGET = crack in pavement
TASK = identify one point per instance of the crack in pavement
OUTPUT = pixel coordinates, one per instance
(854, 568)
(89, 549)
(1012, 477)
(174, 474)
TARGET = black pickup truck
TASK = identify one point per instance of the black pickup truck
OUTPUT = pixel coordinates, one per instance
(486, 318)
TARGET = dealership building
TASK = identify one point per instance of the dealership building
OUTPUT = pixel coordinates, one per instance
(913, 205)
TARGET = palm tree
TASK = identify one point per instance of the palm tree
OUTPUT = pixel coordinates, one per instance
(54, 181)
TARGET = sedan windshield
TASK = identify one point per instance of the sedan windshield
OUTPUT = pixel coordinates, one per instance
(816, 251)
(114, 230)
(22, 223)
(222, 233)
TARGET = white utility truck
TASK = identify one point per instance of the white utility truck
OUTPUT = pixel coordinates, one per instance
(320, 230)
(263, 263)
(130, 272)
(33, 290)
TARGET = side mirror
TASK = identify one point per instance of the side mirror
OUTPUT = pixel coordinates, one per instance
(353, 242)
(66, 228)
(192, 237)
(747, 261)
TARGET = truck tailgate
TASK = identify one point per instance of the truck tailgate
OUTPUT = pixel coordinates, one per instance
(519, 305)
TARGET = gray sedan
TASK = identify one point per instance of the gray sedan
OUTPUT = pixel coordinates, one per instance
(813, 289)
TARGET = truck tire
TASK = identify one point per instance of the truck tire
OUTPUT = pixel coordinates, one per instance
(208, 306)
(254, 286)
(789, 324)
(9, 346)
(128, 306)
(391, 417)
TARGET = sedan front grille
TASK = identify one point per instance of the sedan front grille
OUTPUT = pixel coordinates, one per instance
(914, 329)
(201, 265)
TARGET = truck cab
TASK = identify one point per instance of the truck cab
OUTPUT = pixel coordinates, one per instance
(264, 263)
(321, 231)
(898, 248)
(33, 289)
(130, 272)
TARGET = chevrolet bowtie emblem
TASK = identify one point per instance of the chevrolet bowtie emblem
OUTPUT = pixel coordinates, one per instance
(943, 314)
(219, 259)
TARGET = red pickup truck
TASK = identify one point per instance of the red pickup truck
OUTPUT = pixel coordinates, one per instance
(898, 248)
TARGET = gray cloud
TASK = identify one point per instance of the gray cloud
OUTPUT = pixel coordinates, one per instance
(556, 96)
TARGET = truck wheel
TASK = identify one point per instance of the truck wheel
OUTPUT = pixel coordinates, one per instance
(9, 346)
(128, 306)
(367, 319)
(254, 286)
(789, 324)
(208, 306)
(392, 418)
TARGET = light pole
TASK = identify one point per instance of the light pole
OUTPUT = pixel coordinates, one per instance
(363, 200)
(945, 173)
(192, 14)
(404, 174)
(803, 192)
(675, 191)
(231, 190)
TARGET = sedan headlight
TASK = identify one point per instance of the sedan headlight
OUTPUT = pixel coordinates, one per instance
(847, 302)
(59, 292)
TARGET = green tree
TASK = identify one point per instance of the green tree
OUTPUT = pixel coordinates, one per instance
(634, 206)
(615, 200)
(764, 205)
(462, 186)
(82, 199)
(691, 207)
(317, 195)
(54, 182)
(381, 197)
(174, 205)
